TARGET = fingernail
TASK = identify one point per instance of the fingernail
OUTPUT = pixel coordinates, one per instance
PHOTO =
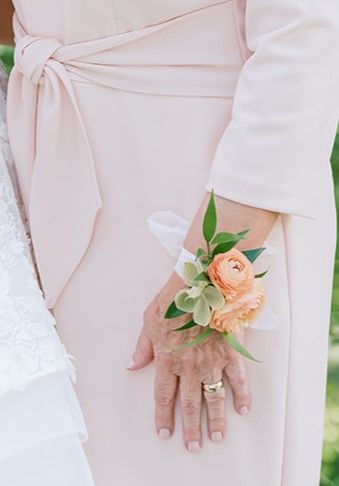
(193, 446)
(129, 363)
(216, 436)
(164, 433)
(243, 410)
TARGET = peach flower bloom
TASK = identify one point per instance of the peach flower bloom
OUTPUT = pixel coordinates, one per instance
(240, 313)
(232, 273)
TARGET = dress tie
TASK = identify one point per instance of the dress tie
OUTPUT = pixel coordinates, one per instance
(53, 158)
(32, 54)
(52, 153)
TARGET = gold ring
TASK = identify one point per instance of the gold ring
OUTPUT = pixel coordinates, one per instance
(213, 387)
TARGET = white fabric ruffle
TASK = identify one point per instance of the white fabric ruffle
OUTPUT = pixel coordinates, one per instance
(41, 432)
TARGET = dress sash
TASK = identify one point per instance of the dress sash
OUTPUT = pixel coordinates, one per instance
(51, 148)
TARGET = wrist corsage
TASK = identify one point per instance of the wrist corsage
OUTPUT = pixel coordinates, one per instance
(223, 292)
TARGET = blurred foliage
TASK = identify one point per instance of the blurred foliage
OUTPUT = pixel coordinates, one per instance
(6, 56)
(330, 464)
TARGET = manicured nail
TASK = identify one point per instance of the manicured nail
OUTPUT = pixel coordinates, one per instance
(243, 410)
(164, 433)
(193, 446)
(216, 436)
(129, 363)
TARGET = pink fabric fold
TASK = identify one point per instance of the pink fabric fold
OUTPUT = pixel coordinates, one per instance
(60, 187)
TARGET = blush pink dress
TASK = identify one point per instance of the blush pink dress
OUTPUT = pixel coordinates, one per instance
(119, 109)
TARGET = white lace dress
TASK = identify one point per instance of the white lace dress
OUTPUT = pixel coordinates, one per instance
(41, 424)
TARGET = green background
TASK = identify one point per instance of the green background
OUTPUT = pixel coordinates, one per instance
(330, 464)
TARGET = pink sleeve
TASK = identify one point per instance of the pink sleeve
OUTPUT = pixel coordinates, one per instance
(276, 148)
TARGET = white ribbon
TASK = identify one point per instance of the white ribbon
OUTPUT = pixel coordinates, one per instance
(171, 230)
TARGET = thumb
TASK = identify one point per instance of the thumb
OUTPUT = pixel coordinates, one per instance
(143, 353)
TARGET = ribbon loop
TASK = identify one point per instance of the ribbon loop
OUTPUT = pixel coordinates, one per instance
(31, 55)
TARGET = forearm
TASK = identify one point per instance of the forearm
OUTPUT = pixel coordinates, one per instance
(232, 217)
(6, 13)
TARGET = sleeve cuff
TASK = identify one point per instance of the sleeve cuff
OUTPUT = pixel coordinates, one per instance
(298, 201)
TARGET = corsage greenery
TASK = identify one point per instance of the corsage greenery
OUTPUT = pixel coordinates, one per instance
(223, 292)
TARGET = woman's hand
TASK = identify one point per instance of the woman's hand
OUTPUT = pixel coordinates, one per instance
(207, 361)
(188, 369)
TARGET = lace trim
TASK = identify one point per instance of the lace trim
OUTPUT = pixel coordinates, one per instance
(29, 344)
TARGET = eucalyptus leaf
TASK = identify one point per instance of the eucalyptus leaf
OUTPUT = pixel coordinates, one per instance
(232, 341)
(253, 254)
(195, 291)
(197, 340)
(260, 275)
(214, 297)
(184, 301)
(203, 276)
(202, 312)
(199, 265)
(210, 219)
(190, 271)
(188, 325)
(172, 311)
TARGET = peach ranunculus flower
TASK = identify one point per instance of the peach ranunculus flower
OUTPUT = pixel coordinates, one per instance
(232, 273)
(240, 313)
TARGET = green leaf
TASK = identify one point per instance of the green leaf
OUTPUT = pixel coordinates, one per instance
(205, 262)
(203, 276)
(188, 325)
(184, 301)
(172, 311)
(202, 312)
(244, 232)
(210, 219)
(214, 297)
(224, 236)
(224, 247)
(200, 252)
(259, 275)
(253, 254)
(232, 341)
(197, 340)
(190, 271)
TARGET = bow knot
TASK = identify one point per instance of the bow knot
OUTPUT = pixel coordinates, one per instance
(32, 54)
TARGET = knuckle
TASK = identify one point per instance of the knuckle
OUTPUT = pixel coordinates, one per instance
(211, 377)
(217, 422)
(190, 407)
(214, 399)
(153, 310)
(238, 380)
(164, 399)
(164, 358)
(189, 362)
(234, 367)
